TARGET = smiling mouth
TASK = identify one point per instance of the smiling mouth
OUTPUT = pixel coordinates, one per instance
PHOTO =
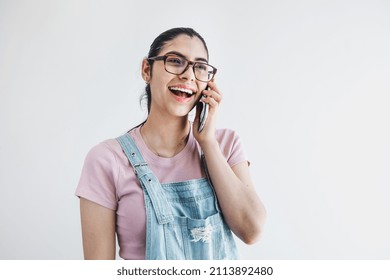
(181, 92)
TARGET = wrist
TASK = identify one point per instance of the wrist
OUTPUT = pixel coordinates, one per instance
(209, 145)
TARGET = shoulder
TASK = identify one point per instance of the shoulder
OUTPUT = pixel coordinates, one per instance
(104, 150)
(227, 137)
(99, 175)
(226, 133)
(231, 145)
(106, 155)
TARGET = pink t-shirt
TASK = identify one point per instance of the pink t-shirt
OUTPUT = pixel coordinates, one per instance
(108, 179)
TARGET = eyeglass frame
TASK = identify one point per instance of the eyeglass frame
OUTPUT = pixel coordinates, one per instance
(193, 63)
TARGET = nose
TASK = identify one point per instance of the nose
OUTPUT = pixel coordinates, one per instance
(188, 73)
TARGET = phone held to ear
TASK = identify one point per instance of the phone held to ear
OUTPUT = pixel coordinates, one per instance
(203, 114)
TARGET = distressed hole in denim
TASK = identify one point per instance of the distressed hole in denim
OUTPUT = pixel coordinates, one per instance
(202, 234)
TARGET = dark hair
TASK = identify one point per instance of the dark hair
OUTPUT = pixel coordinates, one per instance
(155, 49)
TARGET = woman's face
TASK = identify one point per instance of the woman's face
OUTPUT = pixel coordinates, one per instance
(167, 89)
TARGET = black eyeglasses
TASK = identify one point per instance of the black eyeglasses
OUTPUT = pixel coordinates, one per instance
(177, 65)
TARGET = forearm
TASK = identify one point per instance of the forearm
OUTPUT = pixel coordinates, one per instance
(241, 207)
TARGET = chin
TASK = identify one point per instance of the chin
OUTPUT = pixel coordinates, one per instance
(180, 111)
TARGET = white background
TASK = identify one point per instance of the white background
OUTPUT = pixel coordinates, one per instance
(306, 85)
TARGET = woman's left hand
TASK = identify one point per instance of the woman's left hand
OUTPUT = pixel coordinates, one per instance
(242, 208)
(213, 97)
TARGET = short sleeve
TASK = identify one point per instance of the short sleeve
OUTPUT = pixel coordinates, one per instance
(231, 146)
(98, 177)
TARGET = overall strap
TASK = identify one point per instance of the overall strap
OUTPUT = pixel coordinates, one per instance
(204, 164)
(147, 179)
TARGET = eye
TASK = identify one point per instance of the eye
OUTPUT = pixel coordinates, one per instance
(175, 61)
(202, 67)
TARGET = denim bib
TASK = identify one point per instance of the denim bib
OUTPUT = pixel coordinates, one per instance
(183, 220)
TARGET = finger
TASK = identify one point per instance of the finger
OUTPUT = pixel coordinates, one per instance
(211, 101)
(213, 86)
(213, 94)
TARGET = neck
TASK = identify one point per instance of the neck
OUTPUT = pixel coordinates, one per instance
(166, 138)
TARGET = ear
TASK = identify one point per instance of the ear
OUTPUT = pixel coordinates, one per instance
(146, 70)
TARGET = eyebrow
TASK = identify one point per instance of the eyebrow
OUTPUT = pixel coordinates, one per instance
(183, 56)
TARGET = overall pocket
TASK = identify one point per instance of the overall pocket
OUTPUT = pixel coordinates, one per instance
(199, 239)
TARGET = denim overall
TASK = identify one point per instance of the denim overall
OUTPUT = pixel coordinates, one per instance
(183, 220)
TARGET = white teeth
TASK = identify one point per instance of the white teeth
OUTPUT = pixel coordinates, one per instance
(188, 91)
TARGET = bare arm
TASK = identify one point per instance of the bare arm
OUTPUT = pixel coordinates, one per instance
(242, 208)
(98, 228)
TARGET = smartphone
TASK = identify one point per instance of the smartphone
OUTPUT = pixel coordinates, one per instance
(203, 114)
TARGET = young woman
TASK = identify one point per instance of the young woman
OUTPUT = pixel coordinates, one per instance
(166, 190)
